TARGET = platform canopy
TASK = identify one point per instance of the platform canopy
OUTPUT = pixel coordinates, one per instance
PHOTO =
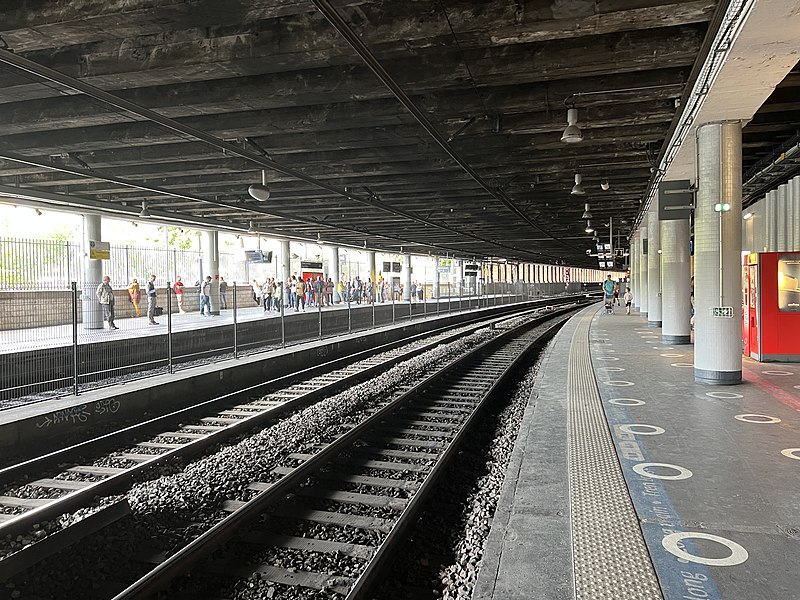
(433, 126)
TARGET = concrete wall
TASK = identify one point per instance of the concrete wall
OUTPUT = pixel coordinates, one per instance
(28, 309)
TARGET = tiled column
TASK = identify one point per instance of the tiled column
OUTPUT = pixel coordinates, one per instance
(717, 255)
(676, 275)
(653, 267)
(643, 279)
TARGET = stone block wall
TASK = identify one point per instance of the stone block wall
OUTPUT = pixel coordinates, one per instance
(30, 309)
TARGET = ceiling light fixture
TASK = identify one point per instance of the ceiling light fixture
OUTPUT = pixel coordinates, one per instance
(604, 184)
(577, 189)
(586, 214)
(260, 191)
(572, 134)
(145, 214)
(252, 229)
(589, 228)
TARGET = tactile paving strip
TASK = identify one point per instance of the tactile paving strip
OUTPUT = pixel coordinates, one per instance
(609, 553)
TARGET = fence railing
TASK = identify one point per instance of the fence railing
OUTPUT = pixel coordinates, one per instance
(67, 341)
(28, 264)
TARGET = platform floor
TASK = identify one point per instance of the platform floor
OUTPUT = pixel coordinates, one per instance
(19, 340)
(629, 480)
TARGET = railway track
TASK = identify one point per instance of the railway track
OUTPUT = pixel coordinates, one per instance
(44, 495)
(330, 519)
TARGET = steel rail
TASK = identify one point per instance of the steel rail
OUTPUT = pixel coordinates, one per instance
(79, 498)
(201, 547)
(380, 561)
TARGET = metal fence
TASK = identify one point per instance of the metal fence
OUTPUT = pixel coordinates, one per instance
(63, 342)
(29, 264)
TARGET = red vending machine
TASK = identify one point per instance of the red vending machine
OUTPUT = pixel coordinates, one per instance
(771, 306)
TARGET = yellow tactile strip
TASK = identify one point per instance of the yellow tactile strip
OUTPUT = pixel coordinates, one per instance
(609, 553)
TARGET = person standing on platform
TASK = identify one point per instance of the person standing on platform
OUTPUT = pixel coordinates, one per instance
(178, 289)
(105, 295)
(223, 289)
(616, 293)
(135, 294)
(300, 294)
(205, 296)
(628, 297)
(256, 292)
(151, 300)
(608, 287)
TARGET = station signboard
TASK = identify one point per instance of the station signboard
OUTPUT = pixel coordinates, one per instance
(257, 256)
(99, 250)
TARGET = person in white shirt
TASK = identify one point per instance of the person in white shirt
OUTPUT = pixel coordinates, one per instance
(628, 297)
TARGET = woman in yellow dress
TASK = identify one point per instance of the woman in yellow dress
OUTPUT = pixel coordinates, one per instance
(133, 291)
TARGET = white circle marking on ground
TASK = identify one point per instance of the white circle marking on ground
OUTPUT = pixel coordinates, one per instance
(737, 557)
(609, 369)
(607, 357)
(648, 429)
(672, 355)
(682, 365)
(620, 383)
(756, 418)
(683, 473)
(791, 453)
(777, 373)
(724, 395)
(626, 402)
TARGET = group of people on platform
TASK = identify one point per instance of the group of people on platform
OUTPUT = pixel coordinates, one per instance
(105, 296)
(296, 293)
(611, 290)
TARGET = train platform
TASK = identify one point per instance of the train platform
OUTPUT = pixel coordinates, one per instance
(33, 338)
(48, 424)
(629, 480)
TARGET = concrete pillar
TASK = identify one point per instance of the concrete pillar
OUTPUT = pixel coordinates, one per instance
(634, 255)
(643, 277)
(373, 272)
(93, 275)
(455, 271)
(653, 267)
(676, 303)
(407, 283)
(212, 268)
(286, 260)
(334, 270)
(717, 255)
(436, 278)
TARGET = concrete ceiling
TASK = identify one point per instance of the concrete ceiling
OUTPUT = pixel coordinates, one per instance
(276, 80)
(759, 84)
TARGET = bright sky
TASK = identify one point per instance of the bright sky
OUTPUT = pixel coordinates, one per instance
(22, 222)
